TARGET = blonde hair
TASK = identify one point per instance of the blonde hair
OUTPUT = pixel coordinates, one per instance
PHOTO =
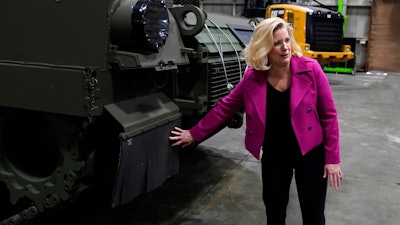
(262, 42)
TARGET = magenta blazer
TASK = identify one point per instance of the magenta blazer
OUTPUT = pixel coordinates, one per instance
(312, 109)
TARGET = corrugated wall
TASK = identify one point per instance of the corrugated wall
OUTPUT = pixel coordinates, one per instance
(227, 7)
(383, 53)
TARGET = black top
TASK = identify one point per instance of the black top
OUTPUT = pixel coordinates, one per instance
(279, 132)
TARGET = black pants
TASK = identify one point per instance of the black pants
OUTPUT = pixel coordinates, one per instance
(277, 171)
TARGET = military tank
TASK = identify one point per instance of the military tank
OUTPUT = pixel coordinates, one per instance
(89, 91)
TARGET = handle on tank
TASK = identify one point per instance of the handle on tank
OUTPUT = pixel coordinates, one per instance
(180, 12)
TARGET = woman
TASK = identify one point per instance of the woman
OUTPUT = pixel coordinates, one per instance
(291, 122)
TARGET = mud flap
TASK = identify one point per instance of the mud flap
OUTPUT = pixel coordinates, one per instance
(146, 159)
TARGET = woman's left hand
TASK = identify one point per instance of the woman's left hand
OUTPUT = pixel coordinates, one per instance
(334, 173)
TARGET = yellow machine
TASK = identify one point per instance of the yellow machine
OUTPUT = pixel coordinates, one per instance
(318, 31)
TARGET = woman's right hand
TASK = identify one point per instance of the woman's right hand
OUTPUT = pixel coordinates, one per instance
(181, 137)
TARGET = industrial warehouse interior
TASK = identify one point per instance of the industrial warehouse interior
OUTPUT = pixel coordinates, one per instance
(90, 92)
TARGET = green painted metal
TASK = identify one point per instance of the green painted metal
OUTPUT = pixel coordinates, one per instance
(55, 89)
(340, 6)
(73, 87)
(57, 32)
(338, 69)
(217, 35)
(144, 113)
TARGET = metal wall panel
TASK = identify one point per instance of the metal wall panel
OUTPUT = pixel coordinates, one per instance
(227, 7)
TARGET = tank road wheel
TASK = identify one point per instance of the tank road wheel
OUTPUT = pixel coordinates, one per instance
(38, 160)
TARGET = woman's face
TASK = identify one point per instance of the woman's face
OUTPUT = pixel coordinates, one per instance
(281, 51)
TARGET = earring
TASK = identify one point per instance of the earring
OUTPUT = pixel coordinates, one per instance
(266, 62)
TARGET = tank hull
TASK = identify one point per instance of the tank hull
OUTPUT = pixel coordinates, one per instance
(82, 106)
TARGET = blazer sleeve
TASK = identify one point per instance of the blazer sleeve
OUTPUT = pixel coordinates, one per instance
(328, 116)
(224, 110)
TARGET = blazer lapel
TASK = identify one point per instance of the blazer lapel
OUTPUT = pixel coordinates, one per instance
(258, 93)
(257, 87)
(300, 82)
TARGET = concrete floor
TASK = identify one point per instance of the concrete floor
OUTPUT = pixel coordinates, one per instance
(220, 183)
